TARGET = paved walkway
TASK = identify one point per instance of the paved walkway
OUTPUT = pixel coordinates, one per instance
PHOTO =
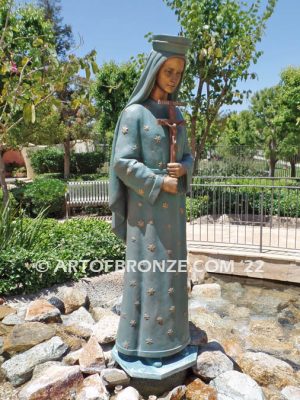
(281, 241)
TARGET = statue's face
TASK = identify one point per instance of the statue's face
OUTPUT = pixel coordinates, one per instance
(170, 74)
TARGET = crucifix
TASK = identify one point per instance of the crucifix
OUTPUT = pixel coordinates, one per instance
(172, 124)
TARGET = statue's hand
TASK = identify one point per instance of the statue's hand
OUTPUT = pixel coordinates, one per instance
(176, 170)
(170, 184)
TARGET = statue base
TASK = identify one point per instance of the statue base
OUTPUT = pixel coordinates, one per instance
(137, 367)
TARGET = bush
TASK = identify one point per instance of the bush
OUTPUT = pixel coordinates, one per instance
(59, 246)
(232, 166)
(43, 193)
(51, 160)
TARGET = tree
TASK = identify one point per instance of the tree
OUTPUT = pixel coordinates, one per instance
(289, 115)
(266, 106)
(224, 36)
(113, 86)
(63, 34)
(239, 135)
(30, 72)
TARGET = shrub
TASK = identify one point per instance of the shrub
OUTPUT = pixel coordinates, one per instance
(43, 193)
(57, 247)
(51, 160)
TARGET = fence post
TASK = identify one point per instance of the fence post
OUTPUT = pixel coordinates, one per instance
(261, 220)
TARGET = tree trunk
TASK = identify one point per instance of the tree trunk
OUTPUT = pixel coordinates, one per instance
(67, 157)
(293, 167)
(272, 165)
(2, 178)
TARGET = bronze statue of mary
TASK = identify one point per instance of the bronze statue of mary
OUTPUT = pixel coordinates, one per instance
(147, 198)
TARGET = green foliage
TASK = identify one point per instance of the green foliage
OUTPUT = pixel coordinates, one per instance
(44, 193)
(51, 160)
(224, 36)
(112, 89)
(195, 207)
(232, 166)
(58, 247)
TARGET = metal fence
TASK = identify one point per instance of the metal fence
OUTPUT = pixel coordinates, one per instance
(259, 212)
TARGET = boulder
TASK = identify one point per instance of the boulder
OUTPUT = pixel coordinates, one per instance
(291, 392)
(129, 393)
(91, 358)
(13, 319)
(207, 290)
(267, 370)
(93, 389)
(211, 364)
(106, 328)
(58, 303)
(6, 310)
(74, 298)
(198, 390)
(81, 318)
(19, 368)
(42, 311)
(233, 385)
(72, 358)
(114, 376)
(24, 336)
(57, 382)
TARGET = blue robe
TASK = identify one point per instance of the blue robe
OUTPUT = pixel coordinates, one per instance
(154, 310)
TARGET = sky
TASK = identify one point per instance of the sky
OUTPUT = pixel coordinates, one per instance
(116, 29)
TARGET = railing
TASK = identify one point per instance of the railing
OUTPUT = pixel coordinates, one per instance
(260, 212)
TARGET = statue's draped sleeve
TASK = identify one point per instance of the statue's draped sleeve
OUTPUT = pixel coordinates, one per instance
(127, 162)
(188, 162)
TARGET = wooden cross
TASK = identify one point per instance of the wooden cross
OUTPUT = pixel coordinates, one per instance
(172, 124)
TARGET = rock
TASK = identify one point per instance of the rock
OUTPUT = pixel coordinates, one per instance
(93, 389)
(198, 336)
(72, 358)
(73, 342)
(58, 303)
(177, 394)
(210, 364)
(73, 299)
(1, 345)
(57, 382)
(233, 385)
(25, 336)
(233, 346)
(80, 317)
(6, 310)
(107, 351)
(2, 376)
(91, 358)
(291, 392)
(129, 393)
(289, 315)
(272, 394)
(40, 368)
(238, 312)
(207, 290)
(106, 328)
(100, 312)
(42, 311)
(197, 390)
(13, 319)
(2, 301)
(5, 329)
(269, 328)
(78, 330)
(267, 370)
(267, 344)
(19, 368)
(114, 376)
